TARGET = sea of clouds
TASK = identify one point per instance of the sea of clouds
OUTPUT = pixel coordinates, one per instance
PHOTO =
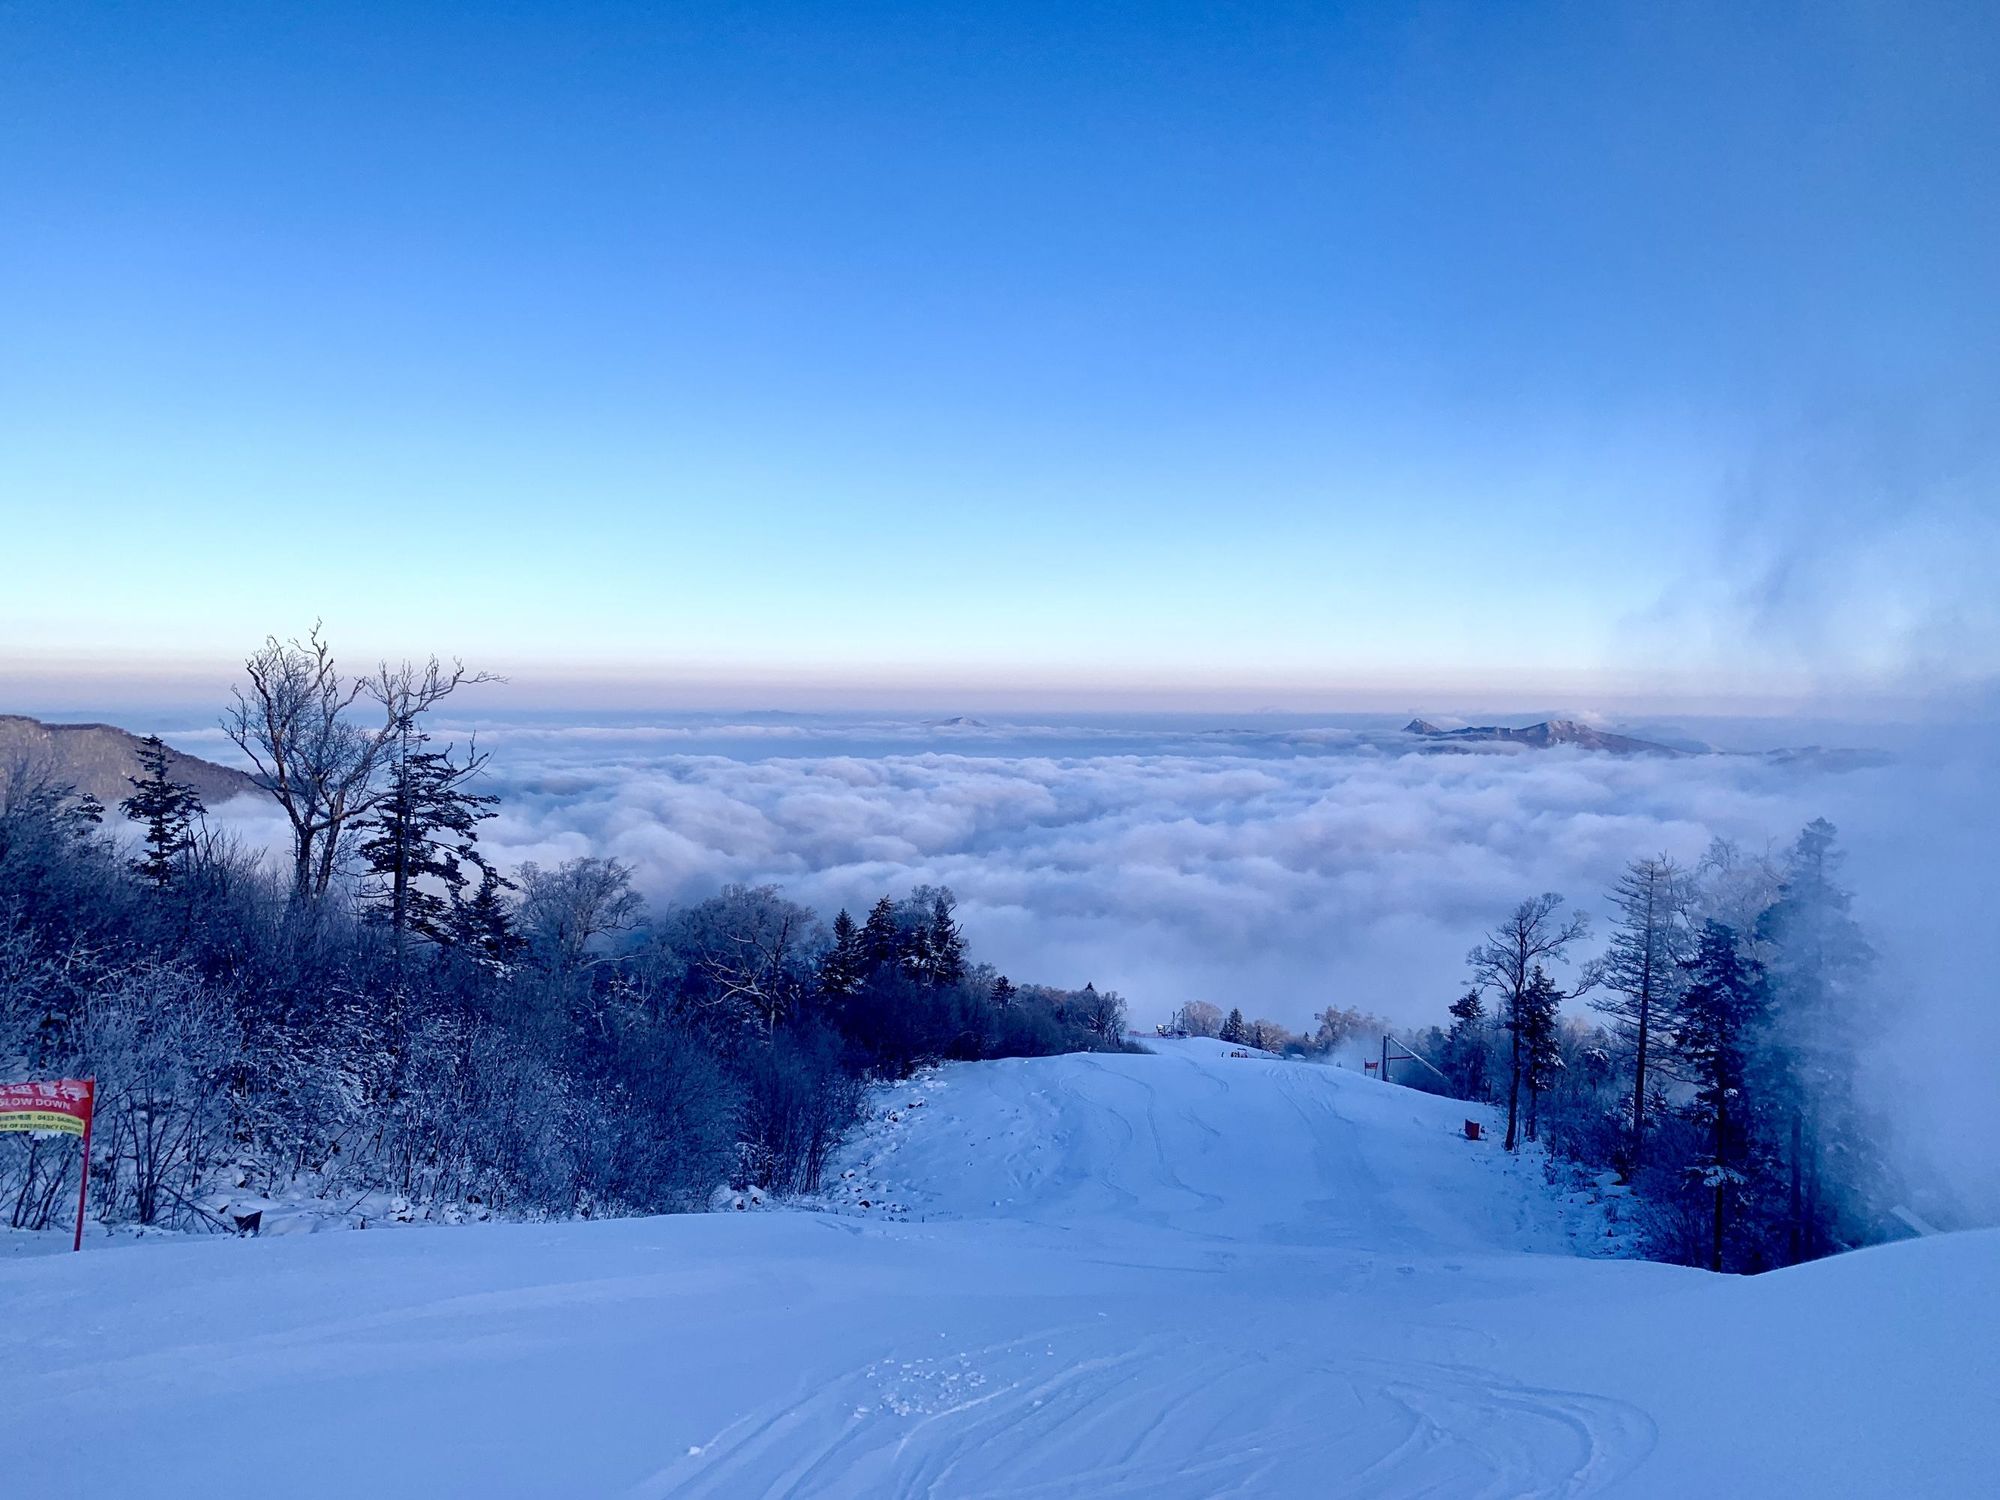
(1276, 868)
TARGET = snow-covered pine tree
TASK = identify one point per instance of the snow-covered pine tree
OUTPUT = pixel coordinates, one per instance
(1822, 1016)
(1652, 934)
(946, 945)
(879, 937)
(1465, 1046)
(1232, 1027)
(482, 926)
(913, 949)
(424, 827)
(166, 809)
(841, 968)
(1541, 1044)
(1717, 1018)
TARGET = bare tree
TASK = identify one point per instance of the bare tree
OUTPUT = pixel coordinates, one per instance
(320, 766)
(161, 1045)
(565, 910)
(1534, 934)
(1197, 1018)
(1268, 1035)
(754, 951)
(1736, 887)
(1102, 1014)
(1336, 1026)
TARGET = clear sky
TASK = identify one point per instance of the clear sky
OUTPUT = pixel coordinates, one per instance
(1149, 351)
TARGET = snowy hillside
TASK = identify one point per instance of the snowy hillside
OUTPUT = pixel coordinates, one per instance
(1250, 1151)
(1178, 1275)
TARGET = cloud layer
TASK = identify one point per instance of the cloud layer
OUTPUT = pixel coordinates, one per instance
(1278, 871)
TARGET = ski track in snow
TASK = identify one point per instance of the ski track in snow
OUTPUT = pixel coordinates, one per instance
(1177, 1276)
(1023, 1420)
(1098, 1142)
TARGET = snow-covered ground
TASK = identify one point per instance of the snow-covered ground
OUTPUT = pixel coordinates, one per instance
(1178, 1275)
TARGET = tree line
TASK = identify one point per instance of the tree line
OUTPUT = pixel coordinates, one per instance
(1334, 1029)
(1718, 1069)
(385, 1011)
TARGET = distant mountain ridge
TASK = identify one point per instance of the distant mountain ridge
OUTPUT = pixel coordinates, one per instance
(97, 758)
(1543, 736)
(1552, 733)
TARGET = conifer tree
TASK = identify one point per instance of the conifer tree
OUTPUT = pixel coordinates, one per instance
(1465, 1046)
(1541, 1047)
(166, 808)
(946, 945)
(841, 968)
(913, 945)
(1720, 1010)
(425, 827)
(1232, 1028)
(1821, 1019)
(483, 926)
(1002, 992)
(879, 937)
(1650, 940)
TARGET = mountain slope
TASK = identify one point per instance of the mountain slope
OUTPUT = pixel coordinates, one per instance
(97, 758)
(1185, 1275)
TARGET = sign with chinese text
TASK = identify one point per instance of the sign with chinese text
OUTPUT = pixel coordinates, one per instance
(60, 1105)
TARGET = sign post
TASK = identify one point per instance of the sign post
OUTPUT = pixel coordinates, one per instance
(62, 1106)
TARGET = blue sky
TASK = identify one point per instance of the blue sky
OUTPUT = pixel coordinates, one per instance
(1144, 353)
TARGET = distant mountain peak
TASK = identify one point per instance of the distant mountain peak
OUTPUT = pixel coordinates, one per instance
(1542, 736)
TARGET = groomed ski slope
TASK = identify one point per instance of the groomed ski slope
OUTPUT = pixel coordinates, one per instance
(1178, 1275)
